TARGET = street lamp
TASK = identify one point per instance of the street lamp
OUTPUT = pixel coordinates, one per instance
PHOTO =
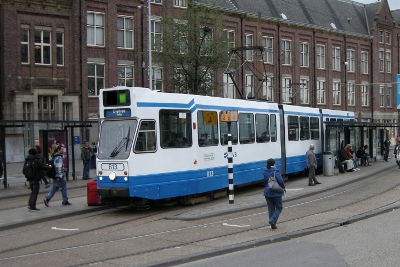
(345, 84)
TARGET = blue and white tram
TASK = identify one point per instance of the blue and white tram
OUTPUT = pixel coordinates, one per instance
(155, 146)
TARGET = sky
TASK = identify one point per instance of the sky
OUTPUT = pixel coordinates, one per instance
(393, 4)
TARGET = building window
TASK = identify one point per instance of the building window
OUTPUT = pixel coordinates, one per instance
(42, 47)
(96, 78)
(46, 107)
(304, 91)
(268, 54)
(320, 92)
(388, 61)
(381, 95)
(230, 36)
(268, 90)
(249, 43)
(336, 58)
(249, 85)
(350, 61)
(336, 93)
(286, 90)
(95, 29)
(364, 62)
(388, 38)
(380, 36)
(157, 79)
(60, 47)
(381, 60)
(304, 55)
(125, 32)
(350, 94)
(156, 1)
(180, 3)
(156, 35)
(287, 52)
(320, 50)
(364, 95)
(388, 97)
(229, 87)
(67, 111)
(125, 76)
(25, 44)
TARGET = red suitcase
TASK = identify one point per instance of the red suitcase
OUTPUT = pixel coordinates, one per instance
(92, 198)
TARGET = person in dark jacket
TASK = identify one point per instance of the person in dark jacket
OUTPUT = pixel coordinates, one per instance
(43, 160)
(34, 184)
(274, 199)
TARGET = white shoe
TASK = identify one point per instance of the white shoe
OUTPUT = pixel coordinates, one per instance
(355, 170)
(358, 169)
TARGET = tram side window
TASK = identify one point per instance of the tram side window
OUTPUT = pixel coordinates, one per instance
(207, 128)
(146, 137)
(175, 128)
(224, 133)
(293, 128)
(246, 128)
(273, 128)
(262, 128)
(304, 128)
(314, 123)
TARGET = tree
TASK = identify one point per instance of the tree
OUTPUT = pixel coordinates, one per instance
(194, 50)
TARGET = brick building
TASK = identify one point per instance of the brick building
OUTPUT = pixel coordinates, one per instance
(57, 54)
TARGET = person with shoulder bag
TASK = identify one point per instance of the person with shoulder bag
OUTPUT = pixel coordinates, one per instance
(43, 160)
(59, 180)
(273, 198)
(34, 181)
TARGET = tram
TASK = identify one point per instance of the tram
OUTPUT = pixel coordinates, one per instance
(157, 146)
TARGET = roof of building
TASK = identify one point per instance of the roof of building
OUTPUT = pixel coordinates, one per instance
(337, 15)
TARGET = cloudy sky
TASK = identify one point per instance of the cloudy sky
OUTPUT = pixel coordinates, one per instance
(393, 4)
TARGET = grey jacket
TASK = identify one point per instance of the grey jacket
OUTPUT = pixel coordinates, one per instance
(311, 160)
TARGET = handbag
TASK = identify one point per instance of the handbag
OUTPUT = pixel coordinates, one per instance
(273, 184)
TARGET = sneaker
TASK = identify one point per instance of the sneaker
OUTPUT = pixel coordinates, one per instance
(66, 203)
(47, 186)
(35, 209)
(273, 226)
(358, 169)
(46, 202)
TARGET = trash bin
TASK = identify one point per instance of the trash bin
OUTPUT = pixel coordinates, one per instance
(328, 161)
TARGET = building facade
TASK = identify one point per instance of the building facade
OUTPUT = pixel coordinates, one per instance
(56, 55)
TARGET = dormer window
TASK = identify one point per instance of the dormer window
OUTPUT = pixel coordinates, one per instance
(333, 25)
(283, 16)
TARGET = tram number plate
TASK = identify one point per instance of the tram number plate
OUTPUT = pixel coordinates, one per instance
(112, 166)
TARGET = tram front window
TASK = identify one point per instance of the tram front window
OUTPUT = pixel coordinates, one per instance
(116, 138)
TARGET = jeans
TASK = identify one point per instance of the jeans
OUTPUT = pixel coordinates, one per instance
(34, 185)
(274, 208)
(58, 184)
(86, 169)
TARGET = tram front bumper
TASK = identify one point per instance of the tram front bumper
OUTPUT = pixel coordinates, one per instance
(113, 191)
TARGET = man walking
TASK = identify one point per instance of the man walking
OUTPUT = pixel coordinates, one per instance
(59, 180)
(86, 153)
(312, 166)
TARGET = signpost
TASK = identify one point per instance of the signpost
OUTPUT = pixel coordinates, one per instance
(230, 116)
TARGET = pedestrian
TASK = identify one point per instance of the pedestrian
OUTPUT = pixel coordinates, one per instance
(86, 153)
(43, 160)
(274, 199)
(1, 166)
(312, 166)
(386, 146)
(397, 153)
(34, 183)
(59, 181)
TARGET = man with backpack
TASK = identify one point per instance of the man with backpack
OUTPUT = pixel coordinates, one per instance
(33, 169)
(59, 178)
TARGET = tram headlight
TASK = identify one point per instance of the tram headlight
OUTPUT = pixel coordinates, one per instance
(112, 176)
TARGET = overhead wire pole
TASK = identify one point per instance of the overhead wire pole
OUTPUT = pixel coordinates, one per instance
(150, 66)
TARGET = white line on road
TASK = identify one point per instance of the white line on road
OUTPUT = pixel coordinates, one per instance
(294, 189)
(233, 225)
(64, 229)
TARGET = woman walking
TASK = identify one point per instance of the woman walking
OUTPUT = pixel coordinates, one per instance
(273, 198)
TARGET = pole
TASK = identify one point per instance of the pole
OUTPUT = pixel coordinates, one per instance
(230, 165)
(150, 47)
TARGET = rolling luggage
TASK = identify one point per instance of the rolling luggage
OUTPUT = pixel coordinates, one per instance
(92, 198)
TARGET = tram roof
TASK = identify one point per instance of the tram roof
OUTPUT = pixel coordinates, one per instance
(334, 124)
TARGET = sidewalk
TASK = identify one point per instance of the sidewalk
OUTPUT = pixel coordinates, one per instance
(296, 188)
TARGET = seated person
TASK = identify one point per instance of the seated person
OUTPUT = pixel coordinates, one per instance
(350, 154)
(344, 158)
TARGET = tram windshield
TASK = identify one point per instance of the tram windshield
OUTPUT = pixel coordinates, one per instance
(116, 138)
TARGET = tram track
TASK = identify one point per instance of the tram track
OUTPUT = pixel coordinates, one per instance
(334, 205)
